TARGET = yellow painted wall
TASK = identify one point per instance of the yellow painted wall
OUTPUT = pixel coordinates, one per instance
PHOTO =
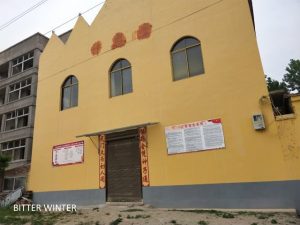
(230, 89)
(288, 127)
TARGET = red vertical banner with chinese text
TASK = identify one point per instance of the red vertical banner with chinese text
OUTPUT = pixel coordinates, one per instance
(144, 156)
(102, 157)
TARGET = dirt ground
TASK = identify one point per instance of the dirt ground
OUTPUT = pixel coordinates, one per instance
(138, 215)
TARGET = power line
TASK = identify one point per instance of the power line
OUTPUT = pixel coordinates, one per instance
(154, 30)
(16, 18)
(68, 21)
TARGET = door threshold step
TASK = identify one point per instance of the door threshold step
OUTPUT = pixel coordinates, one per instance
(129, 204)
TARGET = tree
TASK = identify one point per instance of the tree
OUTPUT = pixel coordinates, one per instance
(4, 162)
(274, 85)
(292, 77)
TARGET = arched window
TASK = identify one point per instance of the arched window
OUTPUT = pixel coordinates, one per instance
(186, 58)
(69, 90)
(120, 78)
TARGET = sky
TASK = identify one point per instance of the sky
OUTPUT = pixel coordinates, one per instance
(277, 25)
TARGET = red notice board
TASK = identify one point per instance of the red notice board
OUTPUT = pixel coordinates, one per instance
(68, 154)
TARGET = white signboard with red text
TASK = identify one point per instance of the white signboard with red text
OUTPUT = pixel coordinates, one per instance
(196, 136)
(67, 154)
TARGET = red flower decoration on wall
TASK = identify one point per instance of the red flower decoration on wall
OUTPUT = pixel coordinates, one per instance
(144, 31)
(96, 48)
(119, 40)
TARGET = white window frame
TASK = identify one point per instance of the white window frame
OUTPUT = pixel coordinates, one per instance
(16, 117)
(14, 183)
(14, 148)
(20, 61)
(13, 88)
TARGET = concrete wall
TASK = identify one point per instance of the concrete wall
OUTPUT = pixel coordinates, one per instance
(34, 43)
(78, 197)
(264, 195)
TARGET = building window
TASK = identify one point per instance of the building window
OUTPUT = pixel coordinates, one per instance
(2, 96)
(15, 150)
(4, 71)
(120, 78)
(22, 63)
(13, 183)
(187, 58)
(17, 119)
(69, 93)
(19, 90)
(281, 102)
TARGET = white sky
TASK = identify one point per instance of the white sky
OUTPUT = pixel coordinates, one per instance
(277, 26)
(278, 34)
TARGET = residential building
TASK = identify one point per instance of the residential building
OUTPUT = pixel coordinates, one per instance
(162, 102)
(18, 86)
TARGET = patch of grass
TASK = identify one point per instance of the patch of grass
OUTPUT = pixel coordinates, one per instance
(202, 222)
(96, 208)
(203, 211)
(139, 216)
(199, 211)
(174, 222)
(119, 215)
(273, 221)
(228, 216)
(292, 222)
(262, 217)
(245, 213)
(14, 220)
(107, 214)
(132, 210)
(86, 223)
(212, 211)
(97, 223)
(116, 221)
(10, 217)
(259, 215)
(253, 223)
(142, 216)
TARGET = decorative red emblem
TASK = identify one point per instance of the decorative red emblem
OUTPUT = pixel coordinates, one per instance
(96, 48)
(144, 31)
(119, 40)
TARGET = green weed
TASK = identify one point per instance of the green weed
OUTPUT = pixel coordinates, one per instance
(202, 222)
(116, 221)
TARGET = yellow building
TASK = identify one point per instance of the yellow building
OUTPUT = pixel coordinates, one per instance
(162, 102)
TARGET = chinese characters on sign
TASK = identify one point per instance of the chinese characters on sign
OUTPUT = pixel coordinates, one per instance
(67, 154)
(144, 157)
(102, 161)
(196, 136)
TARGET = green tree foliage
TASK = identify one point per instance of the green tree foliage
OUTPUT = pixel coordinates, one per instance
(292, 77)
(274, 85)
